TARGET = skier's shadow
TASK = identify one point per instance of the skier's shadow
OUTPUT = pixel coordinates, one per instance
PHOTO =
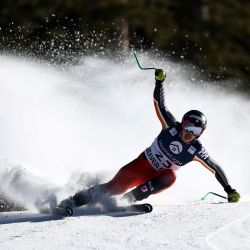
(21, 217)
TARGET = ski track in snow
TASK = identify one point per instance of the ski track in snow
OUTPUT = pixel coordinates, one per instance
(167, 227)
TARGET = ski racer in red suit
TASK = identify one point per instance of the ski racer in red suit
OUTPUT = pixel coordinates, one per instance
(154, 169)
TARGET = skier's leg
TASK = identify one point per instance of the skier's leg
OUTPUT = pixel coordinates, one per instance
(129, 176)
(152, 186)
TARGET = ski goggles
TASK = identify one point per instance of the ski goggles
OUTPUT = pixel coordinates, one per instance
(192, 129)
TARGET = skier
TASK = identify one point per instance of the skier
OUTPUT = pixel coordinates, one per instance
(154, 169)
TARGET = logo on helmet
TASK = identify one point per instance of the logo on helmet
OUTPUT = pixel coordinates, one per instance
(198, 119)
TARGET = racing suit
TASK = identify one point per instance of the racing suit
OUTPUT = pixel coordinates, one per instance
(154, 169)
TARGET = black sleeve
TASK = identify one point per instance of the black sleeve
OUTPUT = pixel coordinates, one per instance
(206, 160)
(165, 116)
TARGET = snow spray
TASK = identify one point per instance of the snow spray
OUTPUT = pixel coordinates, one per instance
(58, 122)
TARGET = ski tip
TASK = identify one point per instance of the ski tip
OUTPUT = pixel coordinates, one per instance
(148, 207)
(65, 212)
(142, 208)
(69, 211)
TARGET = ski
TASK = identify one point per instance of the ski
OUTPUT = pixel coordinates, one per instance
(57, 211)
(62, 211)
(136, 208)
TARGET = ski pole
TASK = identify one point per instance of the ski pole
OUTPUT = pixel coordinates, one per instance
(134, 53)
(215, 194)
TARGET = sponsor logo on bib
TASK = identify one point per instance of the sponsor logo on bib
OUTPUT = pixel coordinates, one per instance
(191, 150)
(175, 147)
(173, 131)
(203, 154)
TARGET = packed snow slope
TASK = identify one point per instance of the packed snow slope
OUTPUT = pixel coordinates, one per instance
(64, 128)
(189, 226)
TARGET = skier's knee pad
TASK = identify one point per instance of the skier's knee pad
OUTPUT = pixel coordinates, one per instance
(163, 181)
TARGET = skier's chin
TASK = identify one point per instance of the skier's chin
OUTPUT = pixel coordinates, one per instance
(187, 137)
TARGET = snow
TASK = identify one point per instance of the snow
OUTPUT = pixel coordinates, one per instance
(235, 235)
(183, 226)
(61, 129)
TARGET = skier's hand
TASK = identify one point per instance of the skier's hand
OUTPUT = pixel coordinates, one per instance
(160, 75)
(232, 194)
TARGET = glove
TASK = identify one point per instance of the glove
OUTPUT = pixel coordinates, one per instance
(232, 194)
(160, 75)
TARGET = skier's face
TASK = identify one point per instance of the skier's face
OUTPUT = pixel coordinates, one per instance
(190, 131)
(187, 137)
